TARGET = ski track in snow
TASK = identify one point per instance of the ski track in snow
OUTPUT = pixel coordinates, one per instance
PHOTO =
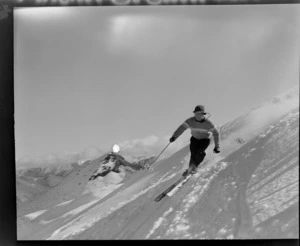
(178, 228)
(271, 199)
(77, 210)
(103, 191)
(159, 222)
(45, 222)
(64, 203)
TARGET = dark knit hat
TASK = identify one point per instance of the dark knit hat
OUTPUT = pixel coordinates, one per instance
(199, 108)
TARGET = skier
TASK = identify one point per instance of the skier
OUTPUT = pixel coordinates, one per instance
(201, 129)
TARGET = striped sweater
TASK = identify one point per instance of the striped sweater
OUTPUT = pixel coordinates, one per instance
(199, 130)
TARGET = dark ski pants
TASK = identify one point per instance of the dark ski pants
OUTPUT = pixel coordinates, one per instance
(197, 148)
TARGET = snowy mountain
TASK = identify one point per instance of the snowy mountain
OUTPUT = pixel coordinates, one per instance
(35, 181)
(41, 171)
(27, 189)
(249, 190)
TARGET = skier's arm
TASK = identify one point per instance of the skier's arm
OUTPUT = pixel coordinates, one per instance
(216, 135)
(180, 130)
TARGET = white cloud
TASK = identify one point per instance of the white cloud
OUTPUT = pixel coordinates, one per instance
(146, 35)
(90, 153)
(274, 109)
(54, 159)
(151, 140)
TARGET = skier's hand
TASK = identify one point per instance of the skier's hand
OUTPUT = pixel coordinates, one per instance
(148, 167)
(217, 150)
(172, 139)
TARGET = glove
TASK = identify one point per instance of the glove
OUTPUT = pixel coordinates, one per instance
(172, 139)
(217, 150)
(149, 167)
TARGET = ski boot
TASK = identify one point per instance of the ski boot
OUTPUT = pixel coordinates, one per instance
(185, 173)
(191, 170)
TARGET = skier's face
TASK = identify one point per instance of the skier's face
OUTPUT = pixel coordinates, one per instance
(199, 116)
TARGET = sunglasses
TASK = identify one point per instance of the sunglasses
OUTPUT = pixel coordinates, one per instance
(199, 113)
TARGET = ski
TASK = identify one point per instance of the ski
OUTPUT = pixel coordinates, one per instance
(178, 186)
(183, 179)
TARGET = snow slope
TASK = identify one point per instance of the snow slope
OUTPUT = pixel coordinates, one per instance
(249, 190)
(26, 189)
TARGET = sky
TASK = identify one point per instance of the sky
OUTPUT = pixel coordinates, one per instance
(89, 77)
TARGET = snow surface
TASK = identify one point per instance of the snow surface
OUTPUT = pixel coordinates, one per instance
(249, 190)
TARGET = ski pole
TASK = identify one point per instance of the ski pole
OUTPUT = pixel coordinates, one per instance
(151, 168)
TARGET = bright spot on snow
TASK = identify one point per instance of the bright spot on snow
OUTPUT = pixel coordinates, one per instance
(156, 225)
(45, 222)
(258, 229)
(159, 222)
(79, 209)
(182, 227)
(285, 227)
(116, 148)
(265, 206)
(34, 215)
(223, 231)
(64, 203)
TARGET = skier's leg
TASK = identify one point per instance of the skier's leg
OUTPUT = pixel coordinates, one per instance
(193, 150)
(200, 154)
(200, 158)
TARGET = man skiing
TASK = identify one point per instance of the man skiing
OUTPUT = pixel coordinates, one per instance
(201, 129)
